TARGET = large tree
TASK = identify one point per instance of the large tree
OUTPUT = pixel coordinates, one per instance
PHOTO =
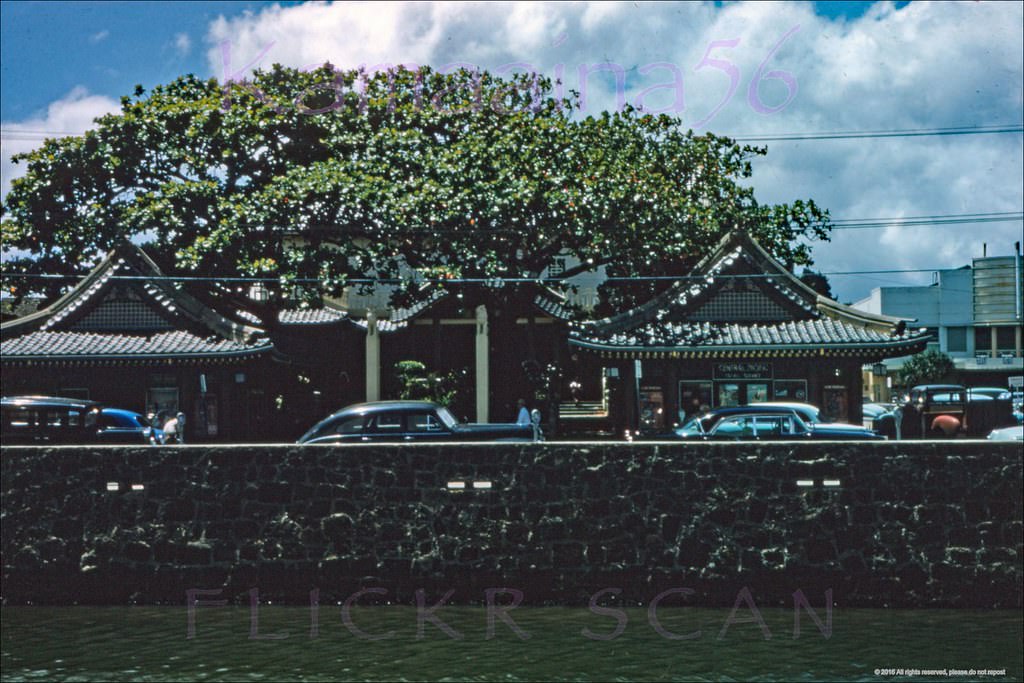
(313, 179)
(927, 367)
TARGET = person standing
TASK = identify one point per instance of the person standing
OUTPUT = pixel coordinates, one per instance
(524, 414)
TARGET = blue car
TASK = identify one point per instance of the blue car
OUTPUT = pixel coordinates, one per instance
(124, 426)
(760, 422)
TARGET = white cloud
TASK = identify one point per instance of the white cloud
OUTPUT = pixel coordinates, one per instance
(926, 65)
(182, 44)
(73, 114)
(99, 36)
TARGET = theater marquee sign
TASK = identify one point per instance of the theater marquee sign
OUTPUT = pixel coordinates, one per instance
(743, 371)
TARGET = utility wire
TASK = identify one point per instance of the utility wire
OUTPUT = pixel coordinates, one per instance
(911, 221)
(492, 281)
(835, 223)
(906, 133)
(25, 134)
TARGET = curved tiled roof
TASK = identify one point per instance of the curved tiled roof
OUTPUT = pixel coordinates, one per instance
(80, 345)
(310, 316)
(126, 309)
(790, 315)
(668, 335)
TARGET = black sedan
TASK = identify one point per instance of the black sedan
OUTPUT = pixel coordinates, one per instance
(379, 421)
(764, 423)
(60, 420)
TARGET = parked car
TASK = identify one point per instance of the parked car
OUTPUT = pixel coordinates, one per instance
(880, 417)
(936, 410)
(996, 393)
(124, 426)
(1007, 434)
(60, 420)
(871, 411)
(762, 422)
(409, 421)
(810, 414)
(47, 419)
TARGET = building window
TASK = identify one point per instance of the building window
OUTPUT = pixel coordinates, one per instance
(982, 339)
(161, 402)
(1005, 338)
(956, 340)
(695, 398)
(652, 407)
(791, 390)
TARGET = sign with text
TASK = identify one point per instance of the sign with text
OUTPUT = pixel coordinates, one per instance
(743, 371)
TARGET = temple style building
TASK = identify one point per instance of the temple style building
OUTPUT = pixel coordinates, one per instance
(131, 337)
(128, 337)
(739, 329)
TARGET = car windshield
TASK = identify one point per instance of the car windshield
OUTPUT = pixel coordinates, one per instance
(119, 421)
(697, 424)
(447, 418)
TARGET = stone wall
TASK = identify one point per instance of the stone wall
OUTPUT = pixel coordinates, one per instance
(890, 523)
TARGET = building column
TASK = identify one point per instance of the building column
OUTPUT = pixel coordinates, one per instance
(483, 388)
(372, 358)
(995, 344)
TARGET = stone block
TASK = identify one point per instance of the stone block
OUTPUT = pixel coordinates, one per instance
(275, 492)
(179, 510)
(193, 553)
(138, 551)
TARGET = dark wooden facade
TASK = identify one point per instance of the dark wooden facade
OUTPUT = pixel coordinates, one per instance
(130, 338)
(127, 337)
(739, 329)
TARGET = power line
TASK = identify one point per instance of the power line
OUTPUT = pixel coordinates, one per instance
(26, 134)
(911, 221)
(904, 133)
(489, 281)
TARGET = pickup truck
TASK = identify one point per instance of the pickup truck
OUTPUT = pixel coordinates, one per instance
(408, 421)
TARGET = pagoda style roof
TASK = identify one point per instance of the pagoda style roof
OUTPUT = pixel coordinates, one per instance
(126, 310)
(740, 301)
(324, 315)
(547, 301)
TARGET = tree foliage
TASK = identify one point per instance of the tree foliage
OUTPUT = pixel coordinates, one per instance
(928, 367)
(413, 381)
(817, 281)
(315, 178)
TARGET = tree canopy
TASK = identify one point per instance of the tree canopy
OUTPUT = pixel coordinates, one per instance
(927, 367)
(316, 178)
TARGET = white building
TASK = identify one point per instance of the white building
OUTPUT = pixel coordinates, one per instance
(974, 314)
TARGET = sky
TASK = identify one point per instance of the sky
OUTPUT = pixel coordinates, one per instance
(747, 70)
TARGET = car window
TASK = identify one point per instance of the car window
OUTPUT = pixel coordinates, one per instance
(349, 425)
(772, 425)
(735, 426)
(388, 422)
(447, 418)
(424, 422)
(112, 421)
(20, 418)
(698, 424)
